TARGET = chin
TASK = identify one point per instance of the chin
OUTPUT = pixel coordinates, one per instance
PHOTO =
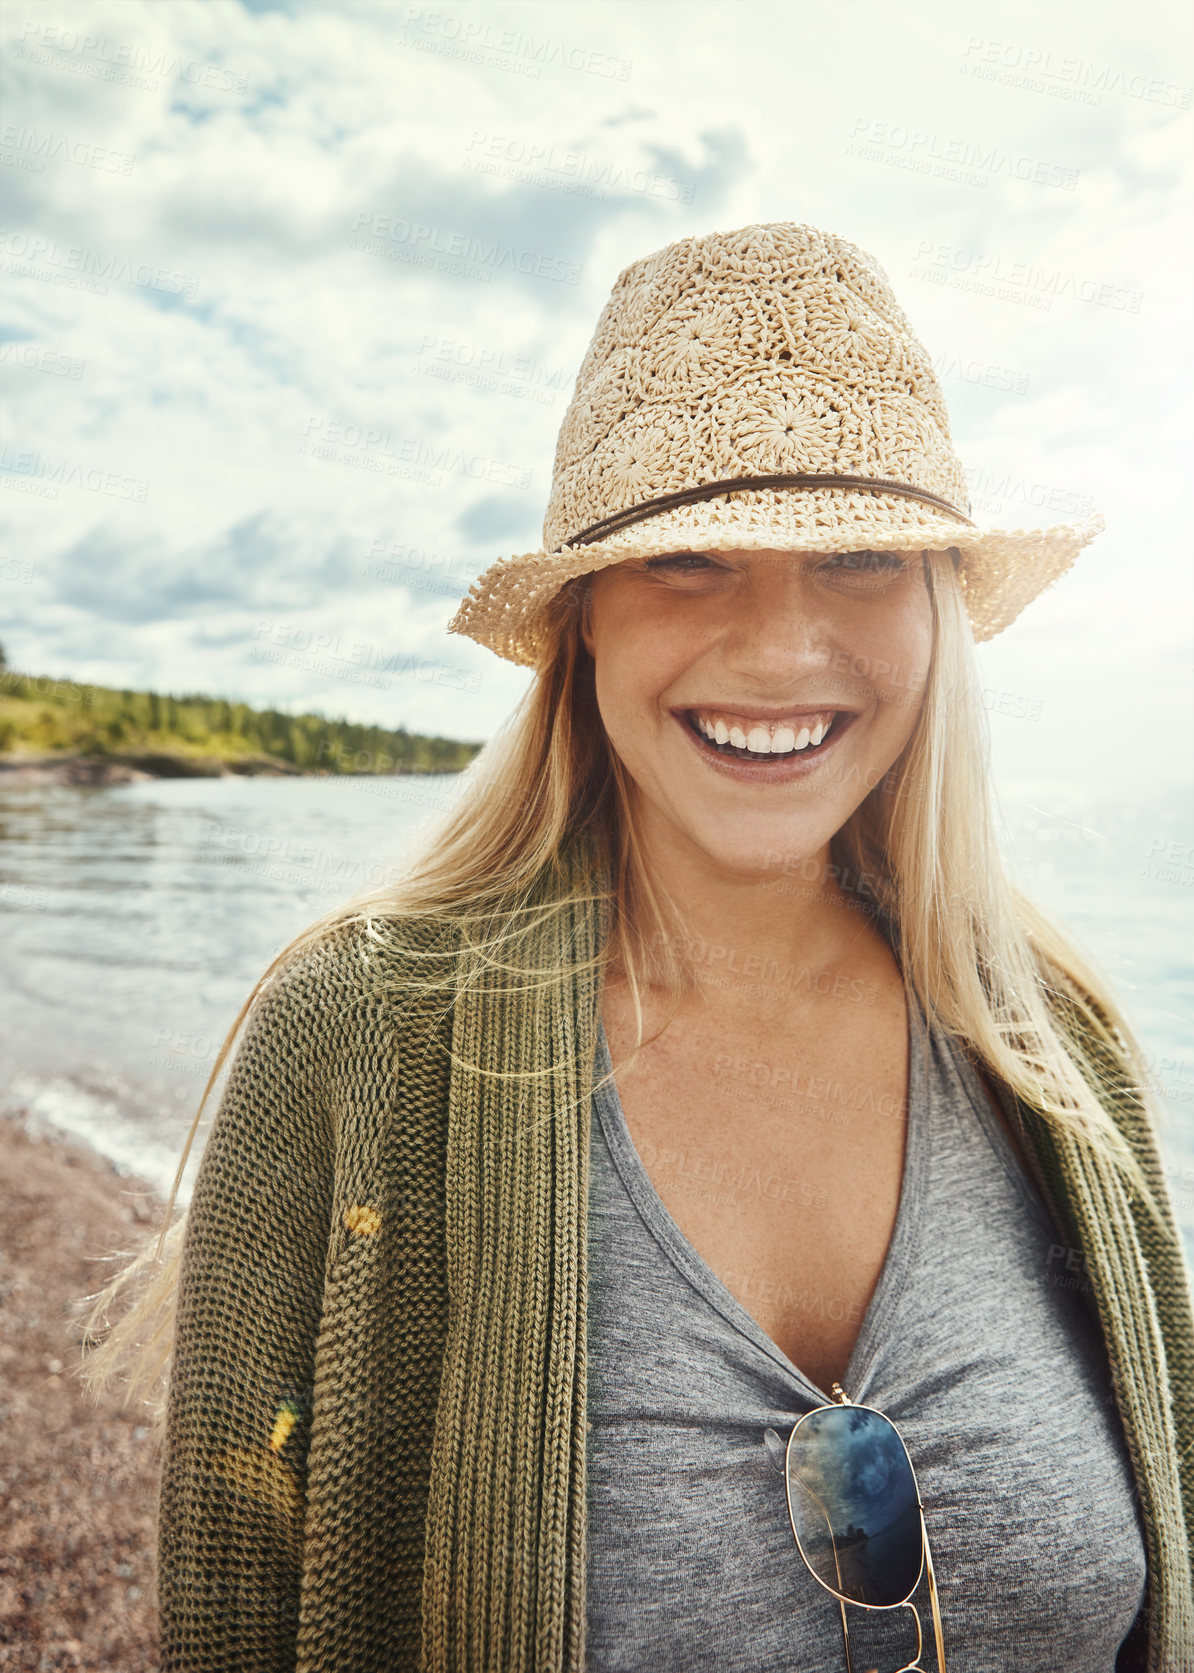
(767, 857)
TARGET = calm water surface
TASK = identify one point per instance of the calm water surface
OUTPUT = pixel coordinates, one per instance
(134, 919)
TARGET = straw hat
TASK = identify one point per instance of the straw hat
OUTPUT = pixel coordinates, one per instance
(760, 388)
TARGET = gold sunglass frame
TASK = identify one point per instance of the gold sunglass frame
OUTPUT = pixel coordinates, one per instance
(926, 1555)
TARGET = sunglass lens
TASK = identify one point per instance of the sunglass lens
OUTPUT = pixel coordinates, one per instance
(854, 1505)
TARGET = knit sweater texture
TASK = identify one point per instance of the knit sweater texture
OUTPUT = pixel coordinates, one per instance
(375, 1432)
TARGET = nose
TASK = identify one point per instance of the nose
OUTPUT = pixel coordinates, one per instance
(777, 630)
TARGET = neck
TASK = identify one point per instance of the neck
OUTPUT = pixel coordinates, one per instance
(756, 941)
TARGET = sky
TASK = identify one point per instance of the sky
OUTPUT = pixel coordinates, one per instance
(294, 295)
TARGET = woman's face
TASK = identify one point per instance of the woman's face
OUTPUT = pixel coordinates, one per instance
(756, 698)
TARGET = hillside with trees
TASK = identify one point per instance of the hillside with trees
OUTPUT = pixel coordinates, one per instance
(43, 717)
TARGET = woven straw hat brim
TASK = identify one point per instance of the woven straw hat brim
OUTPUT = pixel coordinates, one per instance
(1001, 570)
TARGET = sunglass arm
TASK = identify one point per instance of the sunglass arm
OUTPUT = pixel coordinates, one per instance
(846, 1637)
(933, 1599)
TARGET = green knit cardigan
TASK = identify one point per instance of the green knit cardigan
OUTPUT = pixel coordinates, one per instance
(375, 1433)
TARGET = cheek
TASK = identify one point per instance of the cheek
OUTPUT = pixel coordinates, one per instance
(636, 659)
(621, 675)
(897, 654)
(619, 699)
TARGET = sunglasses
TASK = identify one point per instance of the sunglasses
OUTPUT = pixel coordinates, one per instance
(856, 1513)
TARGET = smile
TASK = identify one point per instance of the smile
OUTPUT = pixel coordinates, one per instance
(793, 740)
(750, 736)
(743, 735)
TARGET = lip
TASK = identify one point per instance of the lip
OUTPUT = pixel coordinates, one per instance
(769, 717)
(800, 764)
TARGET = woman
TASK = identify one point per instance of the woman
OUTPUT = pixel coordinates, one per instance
(704, 1080)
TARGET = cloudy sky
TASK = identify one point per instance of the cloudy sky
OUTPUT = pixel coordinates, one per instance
(294, 294)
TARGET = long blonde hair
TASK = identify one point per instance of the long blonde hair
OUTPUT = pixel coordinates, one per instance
(920, 848)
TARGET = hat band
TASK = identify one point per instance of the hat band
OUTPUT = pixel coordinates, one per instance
(707, 490)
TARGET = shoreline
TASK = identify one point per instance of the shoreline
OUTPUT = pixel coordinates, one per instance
(135, 769)
(24, 770)
(77, 1576)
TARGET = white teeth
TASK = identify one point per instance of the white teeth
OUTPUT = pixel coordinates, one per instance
(761, 739)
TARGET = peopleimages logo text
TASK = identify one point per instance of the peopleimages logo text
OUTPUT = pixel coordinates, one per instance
(1076, 72)
(968, 269)
(375, 234)
(66, 473)
(128, 55)
(92, 264)
(970, 154)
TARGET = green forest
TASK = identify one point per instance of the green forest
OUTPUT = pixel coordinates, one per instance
(40, 715)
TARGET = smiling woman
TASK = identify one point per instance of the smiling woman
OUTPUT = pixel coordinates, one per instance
(703, 1099)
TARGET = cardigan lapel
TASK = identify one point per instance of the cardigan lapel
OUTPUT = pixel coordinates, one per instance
(1141, 1298)
(505, 1541)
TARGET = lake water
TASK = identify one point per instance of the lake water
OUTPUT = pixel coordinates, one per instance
(134, 919)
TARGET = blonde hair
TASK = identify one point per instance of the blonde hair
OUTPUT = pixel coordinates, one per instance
(920, 848)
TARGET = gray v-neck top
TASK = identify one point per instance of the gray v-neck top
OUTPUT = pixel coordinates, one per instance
(977, 1343)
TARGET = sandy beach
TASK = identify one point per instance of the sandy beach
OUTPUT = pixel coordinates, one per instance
(78, 1480)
